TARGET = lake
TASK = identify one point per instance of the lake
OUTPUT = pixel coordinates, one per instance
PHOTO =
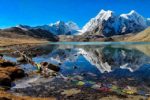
(123, 65)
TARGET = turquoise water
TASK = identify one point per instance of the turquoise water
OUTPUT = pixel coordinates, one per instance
(98, 43)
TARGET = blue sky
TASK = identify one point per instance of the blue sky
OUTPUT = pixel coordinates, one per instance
(39, 12)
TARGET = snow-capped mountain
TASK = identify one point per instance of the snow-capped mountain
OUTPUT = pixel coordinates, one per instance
(132, 22)
(73, 27)
(58, 28)
(62, 28)
(94, 22)
(108, 23)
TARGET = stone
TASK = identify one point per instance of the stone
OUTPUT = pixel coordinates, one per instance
(4, 63)
(21, 59)
(8, 74)
(53, 67)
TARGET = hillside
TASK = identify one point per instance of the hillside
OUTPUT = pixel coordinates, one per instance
(143, 36)
(14, 35)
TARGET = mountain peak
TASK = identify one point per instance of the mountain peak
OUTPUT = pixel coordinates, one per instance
(133, 12)
(105, 11)
(104, 14)
(72, 25)
(60, 22)
(57, 23)
(23, 27)
(98, 20)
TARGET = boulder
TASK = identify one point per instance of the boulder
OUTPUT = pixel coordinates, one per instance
(4, 63)
(53, 67)
(8, 74)
(5, 80)
(21, 59)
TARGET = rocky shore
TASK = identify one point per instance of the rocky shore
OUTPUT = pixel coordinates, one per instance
(10, 71)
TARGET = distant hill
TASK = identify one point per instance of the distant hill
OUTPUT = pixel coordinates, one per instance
(15, 32)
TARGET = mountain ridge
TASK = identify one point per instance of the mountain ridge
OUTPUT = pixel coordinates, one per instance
(58, 28)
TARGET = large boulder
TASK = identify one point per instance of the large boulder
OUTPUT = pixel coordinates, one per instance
(50, 66)
(9, 72)
(5, 80)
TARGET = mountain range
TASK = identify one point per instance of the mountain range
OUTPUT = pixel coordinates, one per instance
(58, 28)
(106, 26)
(106, 23)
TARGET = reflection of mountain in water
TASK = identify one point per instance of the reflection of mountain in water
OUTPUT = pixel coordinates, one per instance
(105, 58)
(110, 58)
(117, 63)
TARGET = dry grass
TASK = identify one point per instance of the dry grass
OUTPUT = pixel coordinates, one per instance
(13, 41)
(143, 36)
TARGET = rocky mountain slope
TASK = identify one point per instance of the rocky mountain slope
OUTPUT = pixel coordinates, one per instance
(107, 24)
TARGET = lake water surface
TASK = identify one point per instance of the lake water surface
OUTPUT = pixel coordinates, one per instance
(121, 64)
